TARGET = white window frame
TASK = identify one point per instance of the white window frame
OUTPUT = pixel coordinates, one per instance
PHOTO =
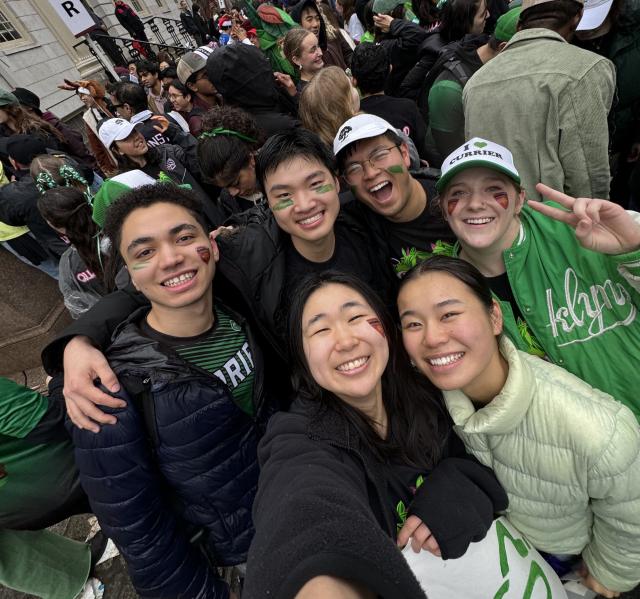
(24, 39)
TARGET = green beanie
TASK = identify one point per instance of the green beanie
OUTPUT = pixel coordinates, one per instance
(507, 24)
(7, 98)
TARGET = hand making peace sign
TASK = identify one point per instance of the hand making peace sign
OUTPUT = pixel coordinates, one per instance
(600, 225)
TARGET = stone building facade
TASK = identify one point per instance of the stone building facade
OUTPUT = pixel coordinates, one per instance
(37, 51)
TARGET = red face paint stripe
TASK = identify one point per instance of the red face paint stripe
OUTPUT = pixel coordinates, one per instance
(377, 325)
(204, 253)
(502, 198)
(451, 206)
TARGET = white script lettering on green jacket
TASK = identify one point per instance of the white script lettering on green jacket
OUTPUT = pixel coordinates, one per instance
(568, 456)
(580, 305)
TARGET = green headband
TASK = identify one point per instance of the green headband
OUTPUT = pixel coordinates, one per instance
(221, 131)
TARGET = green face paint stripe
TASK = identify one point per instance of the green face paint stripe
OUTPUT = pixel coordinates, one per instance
(139, 266)
(325, 188)
(395, 169)
(282, 204)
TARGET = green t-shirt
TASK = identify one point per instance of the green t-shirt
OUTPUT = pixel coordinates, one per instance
(20, 409)
(446, 112)
(223, 351)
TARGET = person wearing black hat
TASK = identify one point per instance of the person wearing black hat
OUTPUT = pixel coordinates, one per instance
(75, 144)
(19, 199)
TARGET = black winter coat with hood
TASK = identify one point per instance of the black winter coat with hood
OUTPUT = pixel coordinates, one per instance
(242, 75)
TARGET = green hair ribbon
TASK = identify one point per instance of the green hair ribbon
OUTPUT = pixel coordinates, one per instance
(533, 345)
(164, 178)
(45, 181)
(226, 132)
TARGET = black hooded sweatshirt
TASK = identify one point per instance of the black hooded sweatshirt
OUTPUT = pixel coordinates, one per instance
(242, 75)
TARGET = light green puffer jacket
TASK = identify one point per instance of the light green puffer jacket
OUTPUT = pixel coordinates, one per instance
(568, 456)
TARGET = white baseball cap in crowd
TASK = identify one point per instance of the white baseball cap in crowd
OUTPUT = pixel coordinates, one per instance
(595, 12)
(477, 152)
(361, 126)
(114, 130)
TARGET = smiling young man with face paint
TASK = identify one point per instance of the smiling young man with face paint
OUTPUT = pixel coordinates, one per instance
(566, 273)
(398, 207)
(301, 232)
(182, 453)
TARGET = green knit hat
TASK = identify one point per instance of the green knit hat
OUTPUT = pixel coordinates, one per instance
(506, 25)
(7, 98)
(113, 188)
(384, 7)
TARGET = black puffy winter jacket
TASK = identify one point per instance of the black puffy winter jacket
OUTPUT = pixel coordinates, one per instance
(173, 481)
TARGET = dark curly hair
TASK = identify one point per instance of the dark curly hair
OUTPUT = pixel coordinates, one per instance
(143, 197)
(222, 156)
(370, 67)
(148, 66)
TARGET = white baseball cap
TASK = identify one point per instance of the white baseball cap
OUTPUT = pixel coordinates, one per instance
(477, 152)
(595, 12)
(361, 126)
(114, 130)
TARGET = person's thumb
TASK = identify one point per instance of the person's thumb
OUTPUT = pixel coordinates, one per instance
(407, 530)
(106, 375)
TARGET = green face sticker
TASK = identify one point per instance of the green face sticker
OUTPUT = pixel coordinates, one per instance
(395, 169)
(325, 188)
(282, 204)
(139, 266)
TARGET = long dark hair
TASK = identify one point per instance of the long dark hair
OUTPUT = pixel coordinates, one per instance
(417, 425)
(456, 19)
(67, 208)
(152, 158)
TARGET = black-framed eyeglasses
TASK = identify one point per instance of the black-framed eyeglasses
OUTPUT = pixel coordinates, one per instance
(354, 171)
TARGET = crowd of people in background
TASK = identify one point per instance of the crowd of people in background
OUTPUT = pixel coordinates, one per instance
(354, 284)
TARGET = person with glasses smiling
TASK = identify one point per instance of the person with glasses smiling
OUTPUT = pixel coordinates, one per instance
(181, 98)
(398, 207)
